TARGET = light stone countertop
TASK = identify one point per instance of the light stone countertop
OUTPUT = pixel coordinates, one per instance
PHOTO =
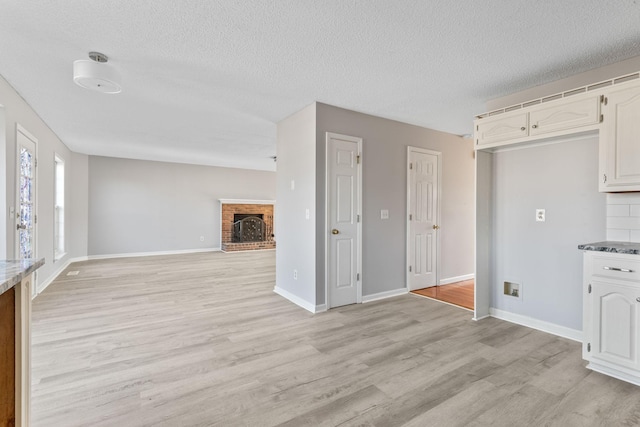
(13, 271)
(614, 247)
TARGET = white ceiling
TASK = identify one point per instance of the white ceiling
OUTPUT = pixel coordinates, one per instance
(205, 82)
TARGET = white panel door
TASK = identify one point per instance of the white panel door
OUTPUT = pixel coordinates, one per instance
(423, 225)
(343, 209)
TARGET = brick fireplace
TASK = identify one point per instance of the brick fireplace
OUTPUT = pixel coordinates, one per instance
(246, 225)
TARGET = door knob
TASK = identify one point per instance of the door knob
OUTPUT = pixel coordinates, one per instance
(638, 299)
(335, 231)
(21, 226)
(436, 227)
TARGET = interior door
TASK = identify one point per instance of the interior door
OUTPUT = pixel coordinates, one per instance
(423, 228)
(26, 199)
(343, 216)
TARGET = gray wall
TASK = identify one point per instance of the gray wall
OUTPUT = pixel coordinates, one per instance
(296, 248)
(543, 256)
(145, 206)
(17, 111)
(385, 187)
(610, 71)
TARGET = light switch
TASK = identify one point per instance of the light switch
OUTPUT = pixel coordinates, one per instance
(384, 214)
(306, 214)
(293, 184)
(540, 215)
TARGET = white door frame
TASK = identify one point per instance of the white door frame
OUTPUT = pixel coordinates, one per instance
(327, 213)
(16, 213)
(438, 154)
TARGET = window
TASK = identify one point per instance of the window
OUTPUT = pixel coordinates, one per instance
(58, 208)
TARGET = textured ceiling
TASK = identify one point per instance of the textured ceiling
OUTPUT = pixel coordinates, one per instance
(205, 81)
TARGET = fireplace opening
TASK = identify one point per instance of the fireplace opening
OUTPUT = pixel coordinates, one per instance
(249, 228)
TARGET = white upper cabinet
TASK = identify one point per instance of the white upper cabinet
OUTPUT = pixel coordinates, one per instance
(620, 140)
(504, 127)
(540, 119)
(566, 115)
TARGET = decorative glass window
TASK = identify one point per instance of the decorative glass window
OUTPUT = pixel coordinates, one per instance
(58, 209)
(27, 214)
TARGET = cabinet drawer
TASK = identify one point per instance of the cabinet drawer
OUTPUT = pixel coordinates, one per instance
(503, 127)
(568, 115)
(615, 268)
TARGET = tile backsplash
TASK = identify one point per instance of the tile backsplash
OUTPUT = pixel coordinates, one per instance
(623, 217)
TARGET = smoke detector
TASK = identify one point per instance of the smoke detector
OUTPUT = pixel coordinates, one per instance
(96, 75)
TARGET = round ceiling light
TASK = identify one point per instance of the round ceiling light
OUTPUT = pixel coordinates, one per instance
(96, 75)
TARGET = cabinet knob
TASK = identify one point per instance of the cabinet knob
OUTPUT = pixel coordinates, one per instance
(535, 126)
(523, 128)
(638, 299)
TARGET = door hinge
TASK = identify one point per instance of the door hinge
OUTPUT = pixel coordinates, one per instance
(601, 118)
(589, 289)
(604, 178)
(358, 276)
(589, 347)
(35, 219)
(357, 218)
(35, 163)
(410, 217)
(409, 269)
(603, 100)
(410, 165)
(358, 158)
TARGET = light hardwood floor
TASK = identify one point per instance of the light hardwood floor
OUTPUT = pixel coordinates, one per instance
(202, 340)
(459, 293)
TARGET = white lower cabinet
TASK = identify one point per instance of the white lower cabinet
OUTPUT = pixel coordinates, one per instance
(611, 320)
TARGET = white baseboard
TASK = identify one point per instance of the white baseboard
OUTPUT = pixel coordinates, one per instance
(299, 301)
(43, 285)
(530, 322)
(139, 254)
(385, 294)
(456, 279)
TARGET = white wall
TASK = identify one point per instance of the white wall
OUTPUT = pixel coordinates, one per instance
(17, 111)
(385, 187)
(296, 241)
(543, 257)
(145, 206)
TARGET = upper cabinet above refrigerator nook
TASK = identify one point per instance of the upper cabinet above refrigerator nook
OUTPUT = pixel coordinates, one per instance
(610, 109)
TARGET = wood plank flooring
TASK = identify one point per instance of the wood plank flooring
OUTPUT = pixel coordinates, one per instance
(202, 340)
(460, 293)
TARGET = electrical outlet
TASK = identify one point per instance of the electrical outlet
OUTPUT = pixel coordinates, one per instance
(295, 274)
(384, 214)
(540, 215)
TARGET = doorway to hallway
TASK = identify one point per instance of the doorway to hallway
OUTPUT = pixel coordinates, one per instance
(459, 293)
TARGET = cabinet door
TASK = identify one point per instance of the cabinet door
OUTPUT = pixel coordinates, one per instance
(614, 328)
(504, 127)
(566, 115)
(620, 141)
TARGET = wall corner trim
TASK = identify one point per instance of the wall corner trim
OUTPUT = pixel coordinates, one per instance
(299, 301)
(540, 325)
(383, 295)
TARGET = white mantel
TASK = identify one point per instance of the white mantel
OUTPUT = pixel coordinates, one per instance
(246, 202)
